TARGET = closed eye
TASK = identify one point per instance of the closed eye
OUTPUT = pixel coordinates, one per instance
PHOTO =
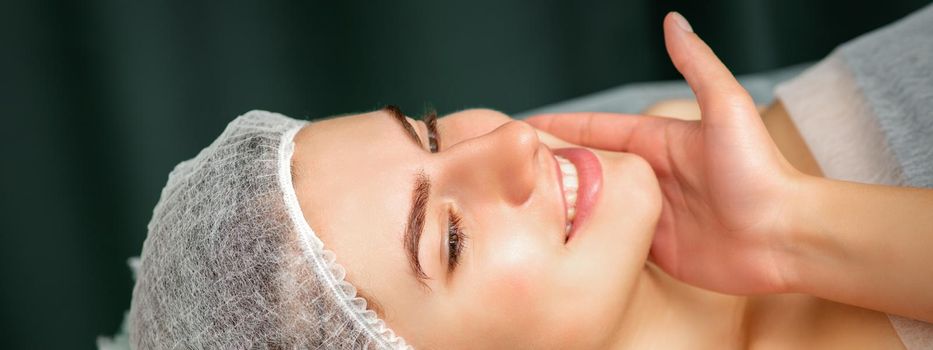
(456, 239)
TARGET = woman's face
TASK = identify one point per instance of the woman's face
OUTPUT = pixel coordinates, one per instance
(498, 270)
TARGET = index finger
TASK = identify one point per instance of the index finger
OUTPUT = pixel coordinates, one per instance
(609, 131)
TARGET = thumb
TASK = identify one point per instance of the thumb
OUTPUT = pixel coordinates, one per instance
(722, 100)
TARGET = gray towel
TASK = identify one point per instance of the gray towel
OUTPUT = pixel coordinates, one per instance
(635, 97)
(893, 67)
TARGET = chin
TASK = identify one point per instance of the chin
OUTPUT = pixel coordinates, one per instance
(617, 237)
(628, 205)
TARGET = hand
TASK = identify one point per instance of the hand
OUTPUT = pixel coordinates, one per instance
(725, 184)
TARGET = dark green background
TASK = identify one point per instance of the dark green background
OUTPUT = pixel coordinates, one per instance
(100, 99)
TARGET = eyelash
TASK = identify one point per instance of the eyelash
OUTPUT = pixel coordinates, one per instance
(456, 239)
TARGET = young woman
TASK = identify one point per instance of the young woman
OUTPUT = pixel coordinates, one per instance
(477, 231)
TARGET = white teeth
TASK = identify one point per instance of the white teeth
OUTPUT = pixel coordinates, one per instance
(570, 196)
(570, 184)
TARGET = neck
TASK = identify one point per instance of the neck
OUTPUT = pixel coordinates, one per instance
(668, 314)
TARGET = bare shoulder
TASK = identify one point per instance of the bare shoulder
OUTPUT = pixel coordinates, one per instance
(800, 321)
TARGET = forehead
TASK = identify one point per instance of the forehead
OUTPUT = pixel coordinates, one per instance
(354, 177)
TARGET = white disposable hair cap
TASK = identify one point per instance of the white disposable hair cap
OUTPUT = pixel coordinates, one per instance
(230, 261)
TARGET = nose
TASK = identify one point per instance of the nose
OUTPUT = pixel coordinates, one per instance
(502, 162)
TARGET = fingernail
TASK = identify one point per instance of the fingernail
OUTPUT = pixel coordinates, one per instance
(682, 22)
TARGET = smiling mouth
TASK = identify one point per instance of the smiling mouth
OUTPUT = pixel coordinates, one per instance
(570, 183)
(581, 182)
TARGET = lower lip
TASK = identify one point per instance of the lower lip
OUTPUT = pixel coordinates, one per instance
(590, 178)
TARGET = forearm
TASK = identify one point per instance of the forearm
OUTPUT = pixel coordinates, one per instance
(864, 245)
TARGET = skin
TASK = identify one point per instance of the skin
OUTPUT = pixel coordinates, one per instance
(517, 282)
(518, 286)
(786, 231)
(519, 290)
(797, 320)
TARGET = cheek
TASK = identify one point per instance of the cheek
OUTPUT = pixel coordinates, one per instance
(523, 302)
(503, 288)
(514, 271)
(518, 298)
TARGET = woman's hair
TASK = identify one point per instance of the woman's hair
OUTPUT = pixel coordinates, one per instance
(230, 262)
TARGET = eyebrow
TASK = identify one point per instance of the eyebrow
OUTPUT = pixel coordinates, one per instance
(412, 236)
(400, 117)
(419, 202)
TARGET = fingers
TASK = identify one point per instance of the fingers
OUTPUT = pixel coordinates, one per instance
(607, 131)
(720, 96)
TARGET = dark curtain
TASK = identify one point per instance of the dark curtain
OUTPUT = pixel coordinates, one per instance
(101, 98)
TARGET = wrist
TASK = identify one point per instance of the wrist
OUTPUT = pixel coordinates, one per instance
(800, 238)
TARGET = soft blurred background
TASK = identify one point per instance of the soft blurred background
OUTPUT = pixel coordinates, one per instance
(102, 98)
